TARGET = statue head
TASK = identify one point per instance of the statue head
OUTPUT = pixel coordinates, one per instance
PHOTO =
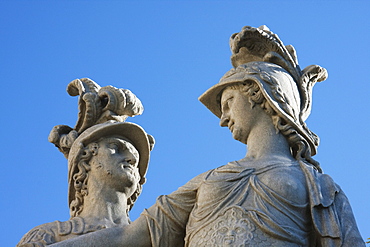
(268, 73)
(101, 118)
(123, 136)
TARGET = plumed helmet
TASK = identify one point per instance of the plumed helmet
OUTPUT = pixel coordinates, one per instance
(258, 55)
(277, 87)
(102, 113)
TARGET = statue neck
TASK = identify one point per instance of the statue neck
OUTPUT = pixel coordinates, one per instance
(104, 206)
(264, 145)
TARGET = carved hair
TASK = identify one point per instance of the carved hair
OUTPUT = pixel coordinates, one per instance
(299, 147)
(80, 180)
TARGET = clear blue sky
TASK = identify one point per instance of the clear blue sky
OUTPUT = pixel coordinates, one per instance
(168, 53)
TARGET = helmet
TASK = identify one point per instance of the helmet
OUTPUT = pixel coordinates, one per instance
(278, 88)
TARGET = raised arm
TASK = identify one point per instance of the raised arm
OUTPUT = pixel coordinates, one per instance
(135, 234)
(163, 224)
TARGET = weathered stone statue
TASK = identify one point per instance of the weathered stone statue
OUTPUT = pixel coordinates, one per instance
(277, 195)
(107, 161)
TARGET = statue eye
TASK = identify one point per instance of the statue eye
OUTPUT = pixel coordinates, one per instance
(227, 103)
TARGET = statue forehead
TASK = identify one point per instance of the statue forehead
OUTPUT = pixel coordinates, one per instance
(230, 90)
(120, 139)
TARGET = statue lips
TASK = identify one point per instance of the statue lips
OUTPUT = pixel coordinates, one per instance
(231, 126)
(229, 240)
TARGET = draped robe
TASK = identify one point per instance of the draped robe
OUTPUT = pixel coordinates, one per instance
(278, 205)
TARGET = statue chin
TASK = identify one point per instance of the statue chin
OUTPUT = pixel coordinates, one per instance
(239, 135)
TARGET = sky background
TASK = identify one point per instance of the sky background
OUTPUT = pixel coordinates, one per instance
(168, 53)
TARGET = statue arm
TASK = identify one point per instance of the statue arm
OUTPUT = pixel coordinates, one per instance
(163, 224)
(135, 234)
(168, 218)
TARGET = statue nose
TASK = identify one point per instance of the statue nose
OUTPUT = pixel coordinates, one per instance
(231, 232)
(131, 159)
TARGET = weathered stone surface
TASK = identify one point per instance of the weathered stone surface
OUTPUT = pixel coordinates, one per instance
(277, 195)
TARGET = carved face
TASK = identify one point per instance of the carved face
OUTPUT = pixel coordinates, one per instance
(115, 164)
(237, 114)
(233, 228)
(234, 235)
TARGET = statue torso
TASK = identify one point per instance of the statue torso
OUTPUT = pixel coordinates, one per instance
(238, 206)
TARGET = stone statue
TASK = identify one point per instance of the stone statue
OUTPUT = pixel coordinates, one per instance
(107, 163)
(277, 195)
